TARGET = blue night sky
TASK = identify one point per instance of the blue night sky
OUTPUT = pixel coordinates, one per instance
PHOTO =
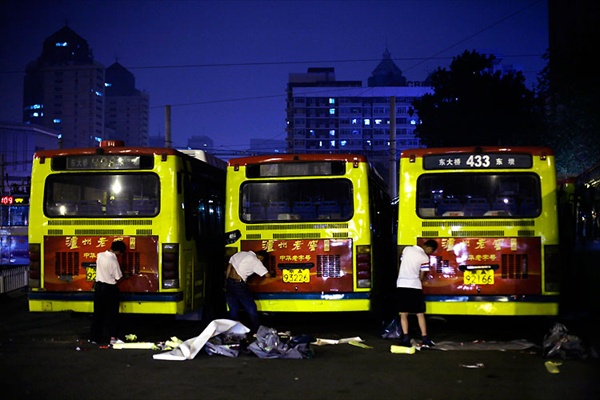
(223, 66)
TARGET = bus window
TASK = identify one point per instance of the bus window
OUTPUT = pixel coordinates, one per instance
(464, 195)
(84, 194)
(298, 199)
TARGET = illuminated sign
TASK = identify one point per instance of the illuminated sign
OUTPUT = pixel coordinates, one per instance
(103, 162)
(13, 200)
(477, 161)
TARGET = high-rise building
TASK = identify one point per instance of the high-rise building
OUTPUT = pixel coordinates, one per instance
(329, 116)
(126, 108)
(64, 90)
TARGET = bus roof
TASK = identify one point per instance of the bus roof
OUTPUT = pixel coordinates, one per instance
(117, 147)
(208, 158)
(533, 150)
(296, 157)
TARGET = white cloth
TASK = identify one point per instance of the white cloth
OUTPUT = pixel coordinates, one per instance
(107, 268)
(247, 263)
(413, 261)
(188, 349)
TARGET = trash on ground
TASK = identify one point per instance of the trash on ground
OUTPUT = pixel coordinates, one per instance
(396, 349)
(322, 342)
(190, 348)
(135, 345)
(392, 330)
(478, 365)
(519, 344)
(269, 344)
(131, 337)
(552, 366)
(359, 344)
(558, 342)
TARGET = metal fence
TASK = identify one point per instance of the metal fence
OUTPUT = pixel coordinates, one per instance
(13, 278)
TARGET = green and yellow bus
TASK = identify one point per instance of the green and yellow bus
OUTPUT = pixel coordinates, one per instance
(326, 221)
(167, 206)
(493, 212)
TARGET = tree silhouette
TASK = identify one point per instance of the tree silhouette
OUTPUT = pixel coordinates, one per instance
(474, 106)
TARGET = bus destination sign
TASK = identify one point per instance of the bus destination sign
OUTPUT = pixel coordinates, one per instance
(103, 162)
(477, 161)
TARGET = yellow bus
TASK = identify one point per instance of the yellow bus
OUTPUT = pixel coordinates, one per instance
(14, 218)
(326, 222)
(14, 252)
(167, 206)
(493, 212)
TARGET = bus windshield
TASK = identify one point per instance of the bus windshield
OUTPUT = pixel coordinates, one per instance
(99, 194)
(469, 195)
(301, 199)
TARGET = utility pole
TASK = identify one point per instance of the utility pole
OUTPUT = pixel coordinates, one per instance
(393, 165)
(168, 141)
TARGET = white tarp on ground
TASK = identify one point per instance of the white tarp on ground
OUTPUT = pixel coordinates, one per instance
(188, 349)
(520, 344)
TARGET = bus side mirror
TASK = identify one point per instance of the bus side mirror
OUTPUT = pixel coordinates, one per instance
(233, 236)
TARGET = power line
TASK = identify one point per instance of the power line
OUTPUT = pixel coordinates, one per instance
(266, 63)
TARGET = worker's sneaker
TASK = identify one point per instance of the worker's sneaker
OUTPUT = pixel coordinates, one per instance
(427, 342)
(114, 340)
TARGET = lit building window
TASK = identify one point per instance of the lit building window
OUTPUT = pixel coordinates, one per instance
(61, 44)
(56, 120)
(331, 100)
(367, 121)
(332, 132)
(378, 121)
(332, 111)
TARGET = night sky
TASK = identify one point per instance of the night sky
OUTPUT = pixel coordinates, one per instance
(223, 66)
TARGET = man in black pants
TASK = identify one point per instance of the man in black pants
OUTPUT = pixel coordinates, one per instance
(106, 293)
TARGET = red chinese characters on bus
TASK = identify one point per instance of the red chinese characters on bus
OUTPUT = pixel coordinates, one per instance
(303, 265)
(70, 262)
(485, 266)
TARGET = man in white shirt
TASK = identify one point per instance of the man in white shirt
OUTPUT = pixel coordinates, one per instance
(106, 292)
(241, 266)
(414, 266)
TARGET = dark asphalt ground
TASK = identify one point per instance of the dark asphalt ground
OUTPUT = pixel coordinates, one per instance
(46, 356)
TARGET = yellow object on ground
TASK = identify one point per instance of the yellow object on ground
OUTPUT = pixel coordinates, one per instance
(402, 349)
(552, 366)
(137, 345)
(359, 344)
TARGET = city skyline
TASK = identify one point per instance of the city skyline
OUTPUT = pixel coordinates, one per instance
(223, 66)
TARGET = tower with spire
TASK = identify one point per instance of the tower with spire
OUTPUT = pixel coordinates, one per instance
(386, 73)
